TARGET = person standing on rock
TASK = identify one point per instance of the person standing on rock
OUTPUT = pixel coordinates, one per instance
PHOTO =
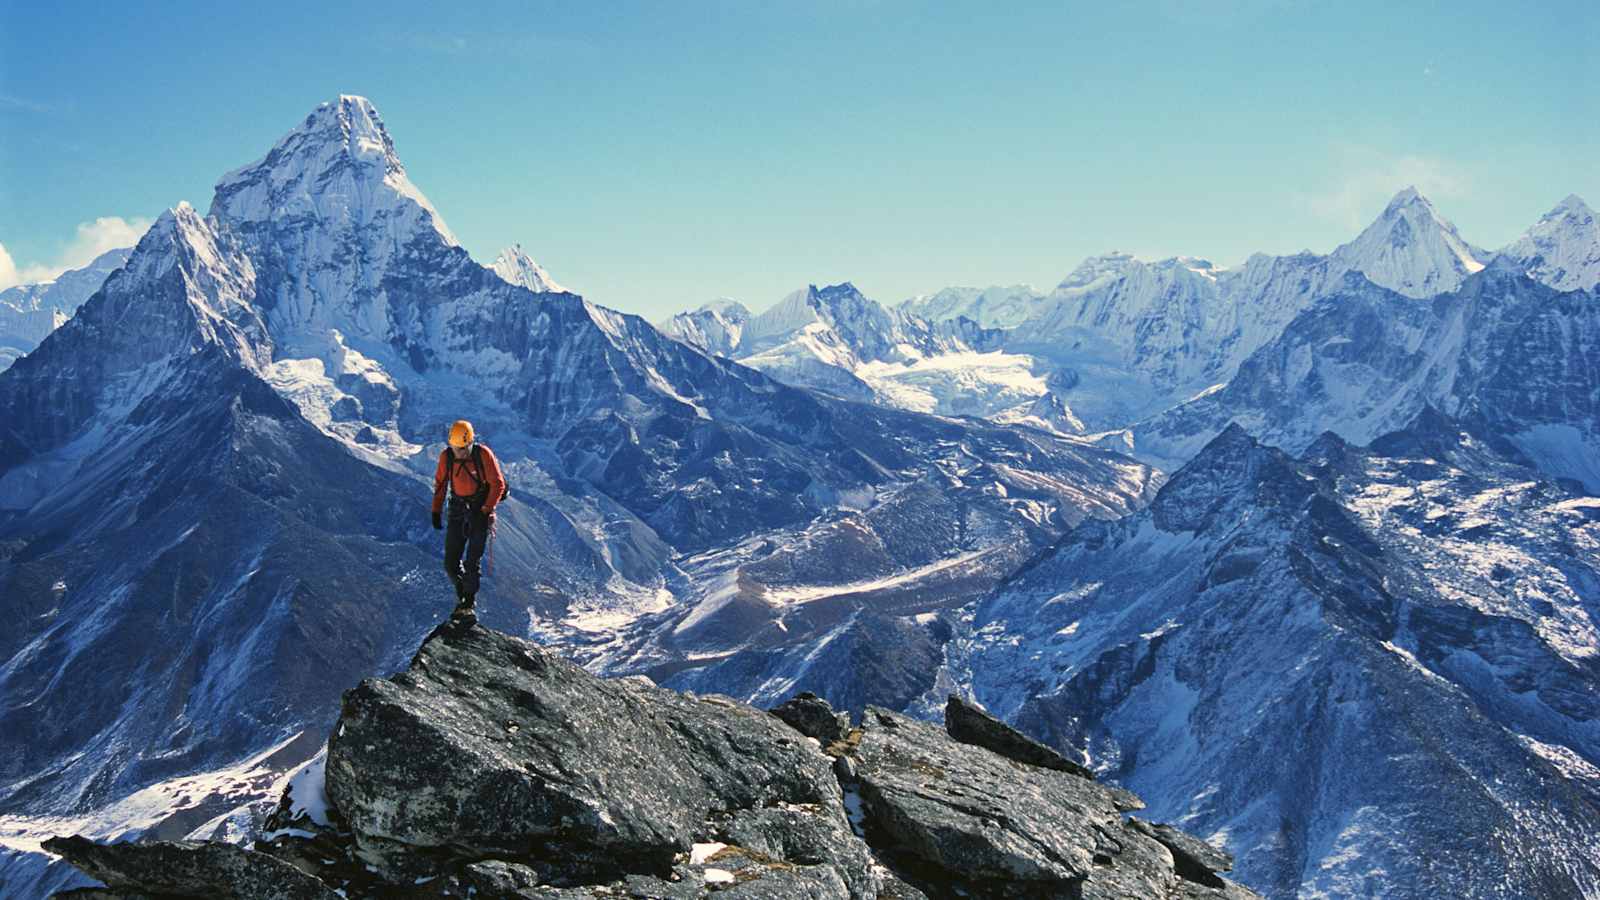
(470, 474)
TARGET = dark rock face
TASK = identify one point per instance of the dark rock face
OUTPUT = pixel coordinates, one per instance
(971, 725)
(190, 869)
(491, 768)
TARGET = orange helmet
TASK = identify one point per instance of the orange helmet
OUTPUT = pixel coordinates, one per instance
(461, 433)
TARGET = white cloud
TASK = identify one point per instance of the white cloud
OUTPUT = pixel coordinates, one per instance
(8, 269)
(1363, 179)
(91, 240)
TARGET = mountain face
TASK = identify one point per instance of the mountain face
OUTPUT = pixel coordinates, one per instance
(1365, 671)
(491, 767)
(214, 477)
(1517, 355)
(28, 312)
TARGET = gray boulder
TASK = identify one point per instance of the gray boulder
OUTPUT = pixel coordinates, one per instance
(958, 818)
(971, 725)
(489, 745)
(813, 717)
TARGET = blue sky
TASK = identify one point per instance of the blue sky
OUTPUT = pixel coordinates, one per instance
(655, 156)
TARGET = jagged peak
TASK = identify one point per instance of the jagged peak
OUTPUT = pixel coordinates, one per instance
(1232, 438)
(1570, 213)
(1571, 204)
(1233, 468)
(1411, 248)
(341, 153)
(179, 226)
(842, 294)
(1430, 434)
(516, 267)
(1562, 249)
(1410, 205)
(1097, 269)
(358, 123)
(1407, 196)
(1328, 447)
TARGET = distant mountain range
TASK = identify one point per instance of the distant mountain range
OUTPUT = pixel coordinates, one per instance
(1120, 344)
(1305, 551)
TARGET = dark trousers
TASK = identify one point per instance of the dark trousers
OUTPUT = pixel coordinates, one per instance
(466, 531)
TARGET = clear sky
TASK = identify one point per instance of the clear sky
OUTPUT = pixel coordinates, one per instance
(658, 155)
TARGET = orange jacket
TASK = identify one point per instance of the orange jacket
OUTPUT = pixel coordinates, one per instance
(462, 483)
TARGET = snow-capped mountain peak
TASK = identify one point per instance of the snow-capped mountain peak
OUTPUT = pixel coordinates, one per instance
(728, 308)
(338, 166)
(715, 328)
(332, 190)
(1098, 270)
(1412, 249)
(213, 281)
(1563, 248)
(517, 267)
(29, 312)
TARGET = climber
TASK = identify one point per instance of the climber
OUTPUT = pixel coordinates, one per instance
(471, 475)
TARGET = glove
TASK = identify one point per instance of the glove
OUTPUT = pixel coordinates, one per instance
(437, 522)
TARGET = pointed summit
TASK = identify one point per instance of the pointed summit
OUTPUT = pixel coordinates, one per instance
(1406, 196)
(518, 268)
(332, 207)
(1098, 270)
(1562, 249)
(339, 167)
(1571, 204)
(1411, 249)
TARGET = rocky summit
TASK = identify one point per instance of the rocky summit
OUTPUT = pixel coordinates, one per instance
(492, 767)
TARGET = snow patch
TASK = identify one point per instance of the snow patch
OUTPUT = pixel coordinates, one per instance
(700, 853)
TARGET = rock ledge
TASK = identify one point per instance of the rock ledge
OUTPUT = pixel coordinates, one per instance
(493, 768)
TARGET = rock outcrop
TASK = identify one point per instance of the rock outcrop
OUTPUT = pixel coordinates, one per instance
(493, 768)
(970, 724)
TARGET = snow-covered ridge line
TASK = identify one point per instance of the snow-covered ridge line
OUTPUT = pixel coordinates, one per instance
(1119, 340)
